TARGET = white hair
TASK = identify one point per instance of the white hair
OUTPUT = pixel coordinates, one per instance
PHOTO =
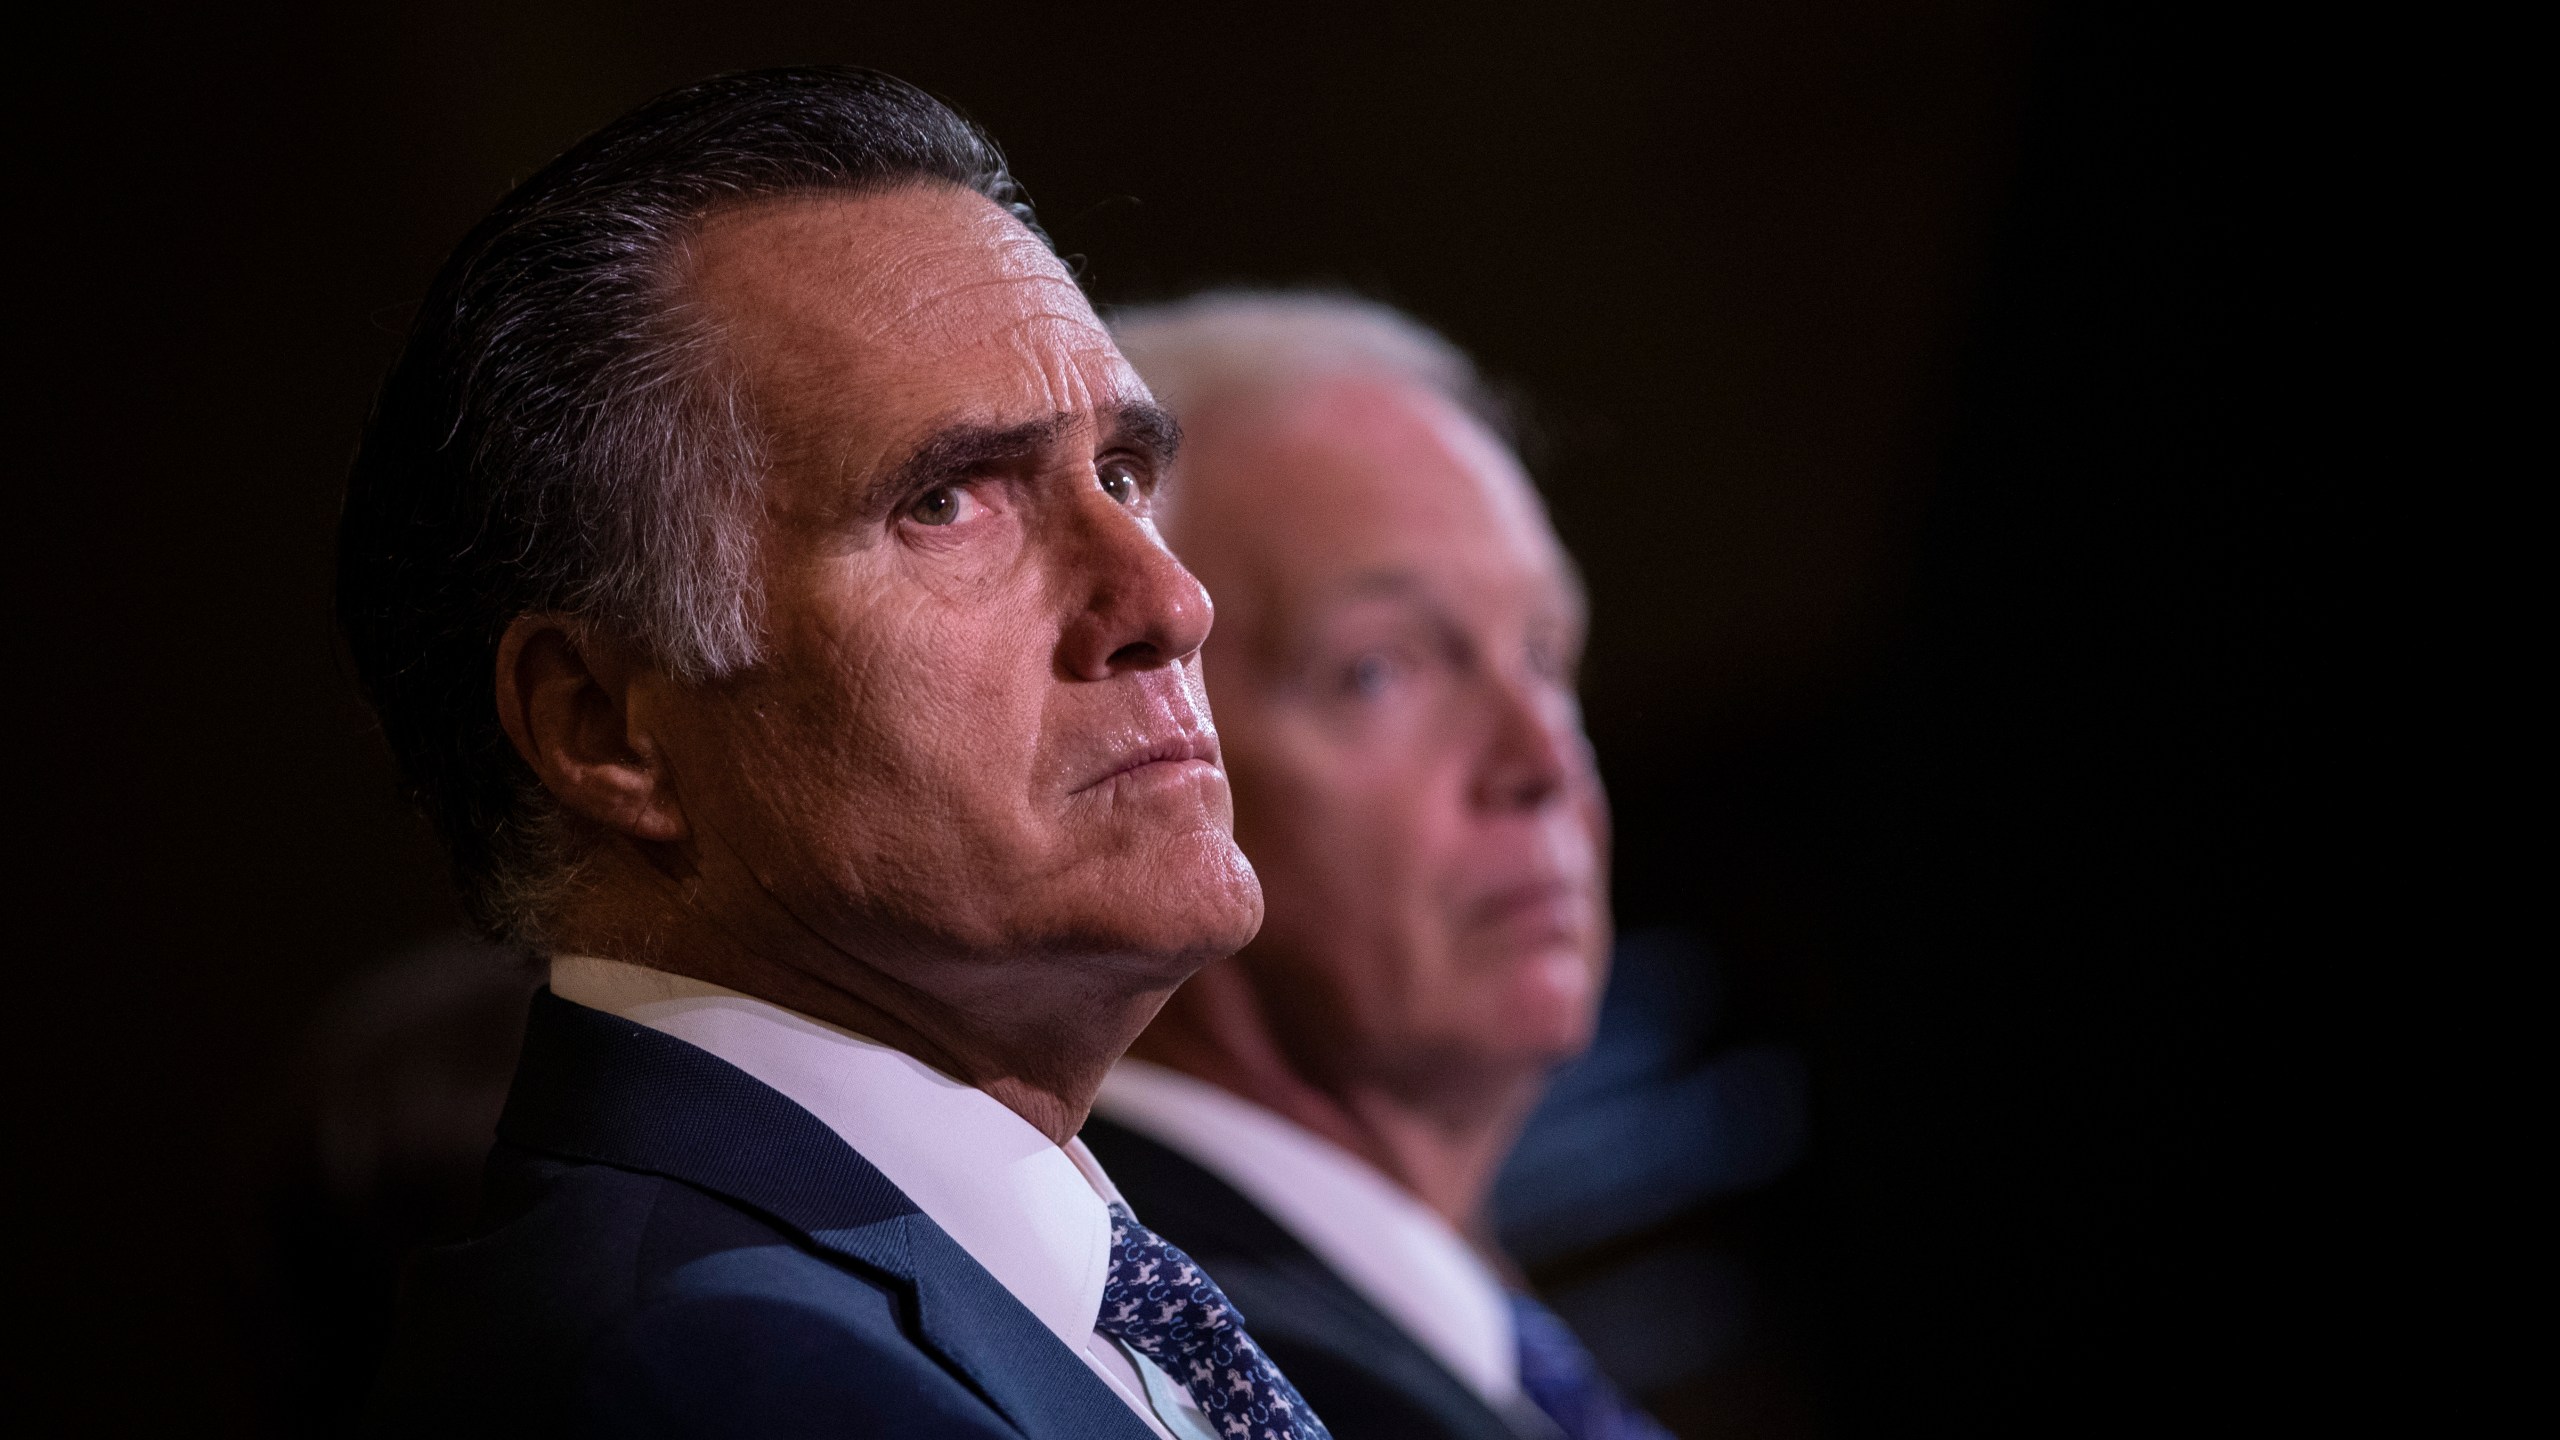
(1222, 344)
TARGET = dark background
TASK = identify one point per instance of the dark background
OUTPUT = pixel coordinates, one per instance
(1868, 345)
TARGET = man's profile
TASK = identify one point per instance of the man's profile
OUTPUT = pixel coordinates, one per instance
(752, 561)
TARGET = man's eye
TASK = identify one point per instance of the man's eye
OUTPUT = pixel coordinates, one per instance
(1370, 675)
(938, 506)
(1120, 482)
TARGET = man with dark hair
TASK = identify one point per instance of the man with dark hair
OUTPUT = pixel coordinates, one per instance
(752, 561)
(1318, 1119)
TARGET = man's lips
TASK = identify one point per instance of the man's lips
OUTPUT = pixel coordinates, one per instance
(1545, 903)
(1170, 750)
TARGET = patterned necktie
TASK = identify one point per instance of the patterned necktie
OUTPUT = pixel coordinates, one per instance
(1566, 1383)
(1172, 1313)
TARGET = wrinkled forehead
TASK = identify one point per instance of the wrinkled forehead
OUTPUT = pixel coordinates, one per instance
(1313, 487)
(928, 305)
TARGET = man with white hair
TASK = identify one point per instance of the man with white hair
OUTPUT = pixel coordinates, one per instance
(1318, 1119)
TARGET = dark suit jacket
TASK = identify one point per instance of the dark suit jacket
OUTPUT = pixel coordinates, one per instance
(1365, 1377)
(672, 1248)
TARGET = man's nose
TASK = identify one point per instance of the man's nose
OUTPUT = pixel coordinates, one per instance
(1536, 746)
(1133, 605)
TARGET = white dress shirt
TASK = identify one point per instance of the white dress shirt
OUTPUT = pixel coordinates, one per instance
(1395, 1250)
(1033, 1213)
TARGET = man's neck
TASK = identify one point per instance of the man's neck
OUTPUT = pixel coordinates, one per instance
(1036, 1032)
(1442, 1147)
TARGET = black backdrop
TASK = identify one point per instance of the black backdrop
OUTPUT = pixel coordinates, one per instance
(1866, 345)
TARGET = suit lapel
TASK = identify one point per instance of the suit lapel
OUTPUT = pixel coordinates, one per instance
(599, 1088)
(956, 1299)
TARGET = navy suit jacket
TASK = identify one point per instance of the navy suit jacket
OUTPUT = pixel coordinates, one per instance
(672, 1248)
(1359, 1370)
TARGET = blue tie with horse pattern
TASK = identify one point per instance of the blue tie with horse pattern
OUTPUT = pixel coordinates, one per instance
(1165, 1308)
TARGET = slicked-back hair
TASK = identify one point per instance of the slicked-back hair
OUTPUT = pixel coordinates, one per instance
(562, 434)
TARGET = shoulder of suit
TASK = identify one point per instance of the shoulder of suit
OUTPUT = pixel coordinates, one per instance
(602, 1289)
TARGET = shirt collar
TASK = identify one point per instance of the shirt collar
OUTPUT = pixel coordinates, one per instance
(1034, 1214)
(1401, 1254)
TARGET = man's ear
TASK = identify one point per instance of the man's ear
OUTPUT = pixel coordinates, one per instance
(564, 697)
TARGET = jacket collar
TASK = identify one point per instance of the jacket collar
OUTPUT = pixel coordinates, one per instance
(598, 1088)
(1291, 1301)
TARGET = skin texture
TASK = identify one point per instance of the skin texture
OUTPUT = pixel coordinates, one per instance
(1394, 670)
(969, 801)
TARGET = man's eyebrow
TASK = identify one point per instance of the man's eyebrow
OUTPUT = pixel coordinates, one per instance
(1409, 586)
(956, 452)
(1143, 425)
(1410, 590)
(1384, 584)
(1405, 589)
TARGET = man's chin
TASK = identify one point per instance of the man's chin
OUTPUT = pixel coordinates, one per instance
(1213, 912)
(1551, 1004)
(1190, 901)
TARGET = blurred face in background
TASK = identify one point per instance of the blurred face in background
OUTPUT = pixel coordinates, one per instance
(1393, 674)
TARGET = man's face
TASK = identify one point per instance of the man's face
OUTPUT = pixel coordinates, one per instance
(978, 730)
(1394, 668)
